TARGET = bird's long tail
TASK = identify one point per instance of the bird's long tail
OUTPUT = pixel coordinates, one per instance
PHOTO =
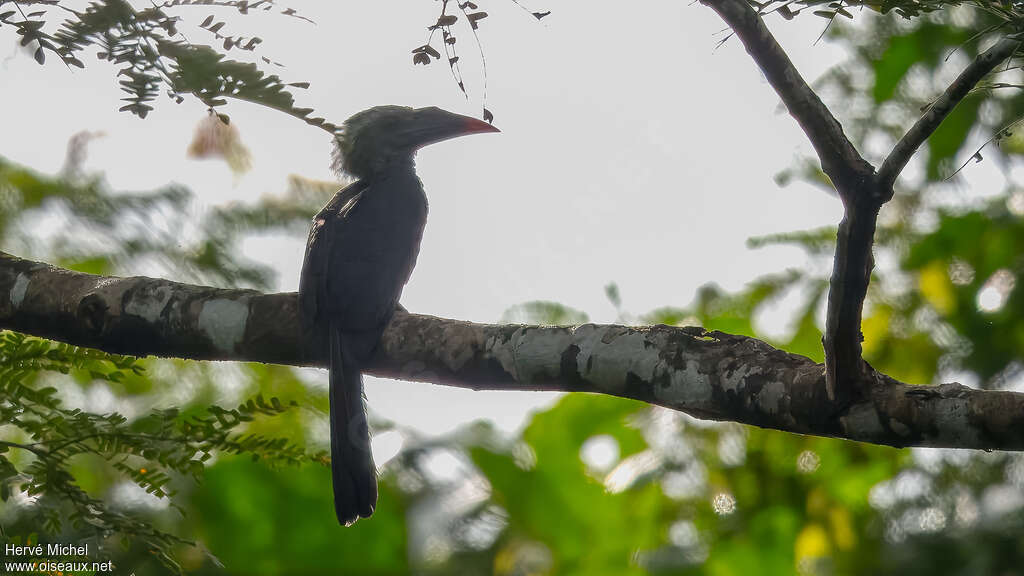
(352, 471)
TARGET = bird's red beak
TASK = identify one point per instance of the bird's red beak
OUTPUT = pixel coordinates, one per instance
(475, 126)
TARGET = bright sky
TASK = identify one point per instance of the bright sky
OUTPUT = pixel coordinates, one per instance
(632, 151)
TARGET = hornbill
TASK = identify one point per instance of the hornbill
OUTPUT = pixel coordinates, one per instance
(361, 250)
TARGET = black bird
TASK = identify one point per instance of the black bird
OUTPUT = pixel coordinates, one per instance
(361, 251)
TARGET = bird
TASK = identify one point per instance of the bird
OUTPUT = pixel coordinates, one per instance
(361, 251)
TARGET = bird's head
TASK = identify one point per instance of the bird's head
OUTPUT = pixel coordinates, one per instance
(374, 139)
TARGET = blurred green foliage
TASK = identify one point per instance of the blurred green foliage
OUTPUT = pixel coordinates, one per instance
(594, 485)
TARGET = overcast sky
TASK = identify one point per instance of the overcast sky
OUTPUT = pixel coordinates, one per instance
(632, 151)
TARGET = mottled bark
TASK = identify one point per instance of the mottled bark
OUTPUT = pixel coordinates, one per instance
(709, 375)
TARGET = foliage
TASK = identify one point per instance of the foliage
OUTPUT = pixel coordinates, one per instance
(594, 485)
(446, 22)
(949, 302)
(259, 520)
(153, 56)
(544, 312)
(1006, 15)
(64, 459)
(149, 451)
(942, 305)
(102, 232)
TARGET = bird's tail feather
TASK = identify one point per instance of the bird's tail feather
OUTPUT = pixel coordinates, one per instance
(353, 475)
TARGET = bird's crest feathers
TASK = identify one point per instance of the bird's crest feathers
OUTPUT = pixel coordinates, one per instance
(356, 145)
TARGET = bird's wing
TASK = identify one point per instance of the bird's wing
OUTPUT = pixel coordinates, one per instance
(315, 266)
(361, 251)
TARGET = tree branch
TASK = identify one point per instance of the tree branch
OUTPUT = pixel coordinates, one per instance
(848, 287)
(33, 449)
(937, 112)
(709, 375)
(854, 180)
(839, 158)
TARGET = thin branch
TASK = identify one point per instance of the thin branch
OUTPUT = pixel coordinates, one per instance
(937, 112)
(854, 180)
(709, 375)
(81, 439)
(33, 449)
(839, 158)
(479, 46)
(1003, 132)
(983, 32)
(848, 287)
